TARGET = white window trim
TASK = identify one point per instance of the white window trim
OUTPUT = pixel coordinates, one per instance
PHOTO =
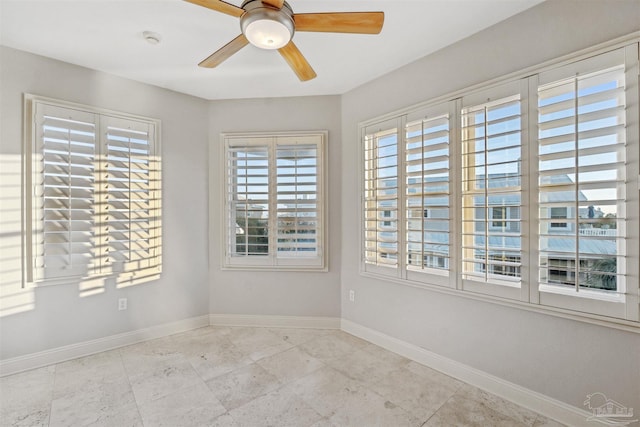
(317, 264)
(529, 298)
(29, 144)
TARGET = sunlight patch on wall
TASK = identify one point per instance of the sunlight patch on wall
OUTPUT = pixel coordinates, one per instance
(14, 298)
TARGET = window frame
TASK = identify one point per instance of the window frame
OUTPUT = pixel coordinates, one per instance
(129, 272)
(528, 297)
(271, 262)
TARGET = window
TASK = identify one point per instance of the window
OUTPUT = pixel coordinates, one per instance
(427, 187)
(274, 201)
(491, 160)
(95, 180)
(406, 196)
(558, 213)
(381, 196)
(583, 168)
(525, 190)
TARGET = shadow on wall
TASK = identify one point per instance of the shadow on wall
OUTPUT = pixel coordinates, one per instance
(18, 296)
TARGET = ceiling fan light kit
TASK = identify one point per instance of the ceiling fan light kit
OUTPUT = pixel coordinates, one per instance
(266, 27)
(271, 24)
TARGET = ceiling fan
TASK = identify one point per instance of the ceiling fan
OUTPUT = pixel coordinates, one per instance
(270, 24)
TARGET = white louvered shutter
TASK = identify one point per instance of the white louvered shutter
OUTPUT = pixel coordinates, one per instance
(275, 201)
(65, 232)
(248, 197)
(131, 187)
(491, 193)
(298, 204)
(582, 154)
(427, 189)
(381, 197)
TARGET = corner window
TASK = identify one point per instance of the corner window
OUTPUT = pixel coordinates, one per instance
(524, 190)
(275, 201)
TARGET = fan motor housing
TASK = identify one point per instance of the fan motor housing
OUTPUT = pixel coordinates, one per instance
(255, 10)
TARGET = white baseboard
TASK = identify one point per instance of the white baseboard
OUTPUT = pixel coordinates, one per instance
(68, 352)
(308, 322)
(530, 399)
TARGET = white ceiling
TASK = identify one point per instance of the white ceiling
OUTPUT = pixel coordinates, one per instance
(106, 35)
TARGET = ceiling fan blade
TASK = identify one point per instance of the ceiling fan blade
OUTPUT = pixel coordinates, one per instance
(219, 6)
(222, 54)
(297, 62)
(274, 3)
(340, 22)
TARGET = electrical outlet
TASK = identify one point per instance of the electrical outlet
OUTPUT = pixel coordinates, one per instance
(352, 295)
(122, 304)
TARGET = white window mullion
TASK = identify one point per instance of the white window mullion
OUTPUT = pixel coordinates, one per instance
(533, 191)
(273, 203)
(401, 212)
(632, 156)
(455, 189)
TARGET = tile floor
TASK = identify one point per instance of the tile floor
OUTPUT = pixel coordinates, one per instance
(253, 377)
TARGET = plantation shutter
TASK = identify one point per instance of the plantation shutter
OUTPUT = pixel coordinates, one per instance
(582, 155)
(491, 192)
(381, 233)
(248, 197)
(131, 197)
(427, 189)
(297, 210)
(274, 201)
(65, 235)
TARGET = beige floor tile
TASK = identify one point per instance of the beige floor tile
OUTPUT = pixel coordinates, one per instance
(164, 379)
(96, 405)
(364, 366)
(421, 396)
(290, 364)
(542, 421)
(460, 410)
(363, 407)
(281, 408)
(498, 404)
(330, 346)
(258, 343)
(191, 406)
(25, 398)
(297, 336)
(324, 390)
(88, 372)
(213, 361)
(242, 385)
